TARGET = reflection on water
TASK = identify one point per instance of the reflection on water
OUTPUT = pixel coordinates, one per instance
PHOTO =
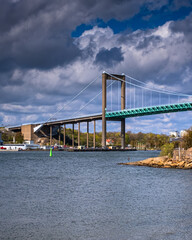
(88, 196)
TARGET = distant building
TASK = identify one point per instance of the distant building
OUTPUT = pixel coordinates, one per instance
(29, 142)
(17, 147)
(174, 134)
(14, 147)
(81, 147)
(112, 147)
(183, 133)
(109, 142)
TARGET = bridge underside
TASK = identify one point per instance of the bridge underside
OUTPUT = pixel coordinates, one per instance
(40, 132)
(128, 113)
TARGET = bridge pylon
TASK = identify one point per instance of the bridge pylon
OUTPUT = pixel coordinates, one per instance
(106, 77)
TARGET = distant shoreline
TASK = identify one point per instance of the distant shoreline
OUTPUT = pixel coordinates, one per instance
(70, 150)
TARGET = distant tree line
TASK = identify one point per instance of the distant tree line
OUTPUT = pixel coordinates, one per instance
(137, 140)
(8, 136)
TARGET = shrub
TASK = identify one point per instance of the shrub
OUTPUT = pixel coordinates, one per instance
(167, 149)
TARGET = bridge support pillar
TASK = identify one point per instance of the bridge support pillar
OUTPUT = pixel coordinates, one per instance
(73, 143)
(87, 134)
(106, 76)
(94, 135)
(123, 133)
(51, 135)
(64, 135)
(123, 107)
(104, 102)
(59, 135)
(79, 134)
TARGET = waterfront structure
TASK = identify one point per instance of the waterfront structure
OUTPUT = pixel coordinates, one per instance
(177, 134)
(174, 134)
(17, 147)
(183, 133)
(81, 147)
(14, 147)
(109, 142)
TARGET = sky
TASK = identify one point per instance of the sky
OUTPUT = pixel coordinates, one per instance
(51, 50)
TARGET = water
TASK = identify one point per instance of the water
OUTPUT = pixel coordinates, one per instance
(87, 196)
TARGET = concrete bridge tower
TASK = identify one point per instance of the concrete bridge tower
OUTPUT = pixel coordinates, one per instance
(106, 77)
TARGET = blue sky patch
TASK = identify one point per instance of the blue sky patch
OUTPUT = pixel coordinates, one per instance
(145, 19)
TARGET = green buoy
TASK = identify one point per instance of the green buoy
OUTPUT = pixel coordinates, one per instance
(50, 154)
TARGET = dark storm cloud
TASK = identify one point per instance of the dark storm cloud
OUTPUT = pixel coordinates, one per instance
(43, 53)
(41, 65)
(6, 79)
(110, 57)
(33, 36)
(178, 3)
(14, 12)
(150, 40)
(184, 26)
(37, 34)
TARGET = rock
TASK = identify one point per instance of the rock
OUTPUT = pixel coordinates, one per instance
(162, 162)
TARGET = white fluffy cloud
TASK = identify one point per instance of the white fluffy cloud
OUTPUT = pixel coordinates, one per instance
(153, 54)
(159, 57)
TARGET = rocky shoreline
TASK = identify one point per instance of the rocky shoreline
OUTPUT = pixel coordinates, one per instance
(182, 160)
(161, 162)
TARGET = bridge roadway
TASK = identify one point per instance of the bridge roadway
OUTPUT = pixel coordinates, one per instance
(87, 118)
(116, 115)
(29, 130)
(136, 112)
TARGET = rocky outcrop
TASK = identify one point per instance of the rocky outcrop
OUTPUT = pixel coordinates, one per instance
(163, 162)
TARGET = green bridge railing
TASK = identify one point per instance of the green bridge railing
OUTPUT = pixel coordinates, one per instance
(128, 113)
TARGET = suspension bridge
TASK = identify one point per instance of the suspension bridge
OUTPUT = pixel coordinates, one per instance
(122, 97)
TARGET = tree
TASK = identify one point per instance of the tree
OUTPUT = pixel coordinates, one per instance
(187, 139)
(126, 139)
(5, 137)
(167, 149)
(19, 137)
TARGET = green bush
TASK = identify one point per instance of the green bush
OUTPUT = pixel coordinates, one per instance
(167, 149)
(187, 139)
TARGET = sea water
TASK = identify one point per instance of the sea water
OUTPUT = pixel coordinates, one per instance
(88, 196)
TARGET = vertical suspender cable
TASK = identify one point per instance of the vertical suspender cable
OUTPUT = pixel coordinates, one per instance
(126, 96)
(134, 96)
(111, 97)
(117, 96)
(130, 93)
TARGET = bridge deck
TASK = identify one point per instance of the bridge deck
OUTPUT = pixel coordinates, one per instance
(87, 118)
(118, 115)
(128, 113)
